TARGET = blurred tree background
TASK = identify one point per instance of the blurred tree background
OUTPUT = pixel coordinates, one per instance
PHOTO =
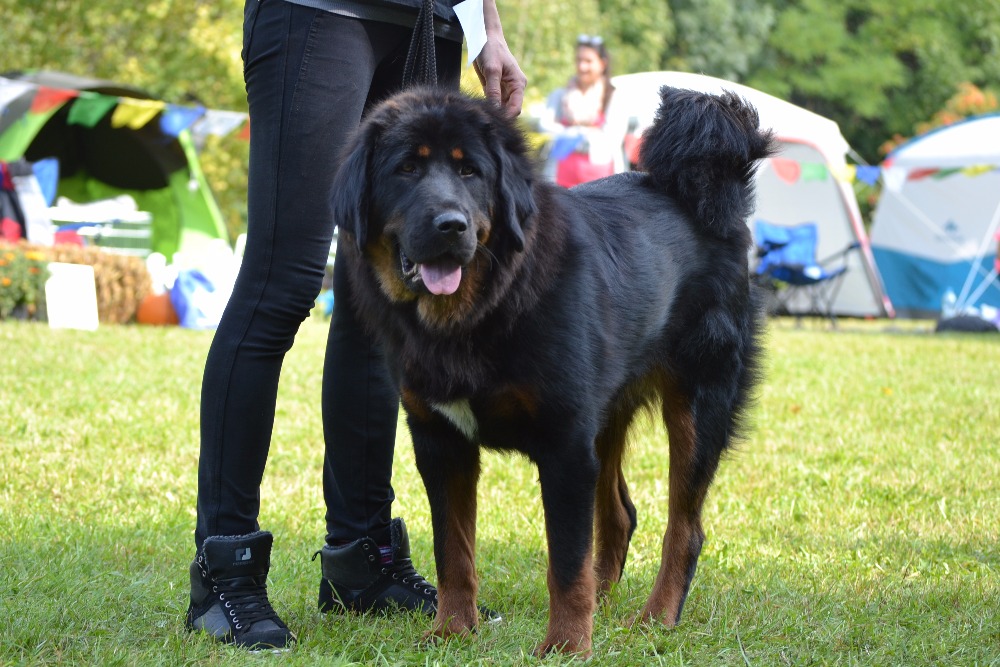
(883, 69)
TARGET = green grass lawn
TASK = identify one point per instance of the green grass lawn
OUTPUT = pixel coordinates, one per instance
(858, 525)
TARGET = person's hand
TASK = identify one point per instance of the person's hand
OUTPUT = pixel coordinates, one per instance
(502, 78)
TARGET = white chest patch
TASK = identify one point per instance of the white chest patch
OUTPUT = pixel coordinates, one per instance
(459, 413)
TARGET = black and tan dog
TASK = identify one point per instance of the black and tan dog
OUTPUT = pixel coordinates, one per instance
(521, 316)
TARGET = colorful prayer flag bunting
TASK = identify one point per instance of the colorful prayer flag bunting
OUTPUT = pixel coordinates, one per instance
(217, 123)
(868, 174)
(135, 114)
(11, 90)
(814, 171)
(919, 174)
(47, 98)
(90, 108)
(893, 178)
(845, 173)
(978, 169)
(176, 118)
(787, 170)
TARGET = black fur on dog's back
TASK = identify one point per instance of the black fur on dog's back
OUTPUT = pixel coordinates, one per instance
(575, 309)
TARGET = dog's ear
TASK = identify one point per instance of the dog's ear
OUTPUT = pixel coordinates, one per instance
(350, 188)
(515, 201)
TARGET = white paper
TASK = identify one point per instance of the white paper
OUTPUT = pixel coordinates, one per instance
(470, 15)
(71, 296)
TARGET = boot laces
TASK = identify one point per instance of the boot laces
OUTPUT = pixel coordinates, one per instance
(245, 602)
(403, 571)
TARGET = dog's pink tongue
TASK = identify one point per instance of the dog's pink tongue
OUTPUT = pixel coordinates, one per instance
(441, 278)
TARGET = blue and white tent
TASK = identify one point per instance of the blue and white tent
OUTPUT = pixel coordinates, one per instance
(934, 230)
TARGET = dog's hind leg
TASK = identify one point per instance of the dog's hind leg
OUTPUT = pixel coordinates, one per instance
(615, 516)
(692, 465)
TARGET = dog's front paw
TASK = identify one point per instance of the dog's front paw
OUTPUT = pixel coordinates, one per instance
(649, 616)
(445, 629)
(579, 649)
(435, 636)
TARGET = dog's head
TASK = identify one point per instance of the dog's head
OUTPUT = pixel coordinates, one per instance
(434, 187)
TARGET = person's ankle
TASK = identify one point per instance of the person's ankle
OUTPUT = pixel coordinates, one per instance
(229, 593)
(361, 576)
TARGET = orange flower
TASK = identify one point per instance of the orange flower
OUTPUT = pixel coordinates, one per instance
(5, 281)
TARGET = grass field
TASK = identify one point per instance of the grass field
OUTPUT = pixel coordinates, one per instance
(857, 526)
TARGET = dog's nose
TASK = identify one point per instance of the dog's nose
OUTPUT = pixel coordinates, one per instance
(451, 223)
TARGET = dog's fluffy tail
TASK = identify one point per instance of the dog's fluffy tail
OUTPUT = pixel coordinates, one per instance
(702, 149)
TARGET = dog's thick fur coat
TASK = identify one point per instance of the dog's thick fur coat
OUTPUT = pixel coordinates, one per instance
(521, 316)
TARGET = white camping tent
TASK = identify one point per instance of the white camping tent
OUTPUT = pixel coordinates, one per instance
(934, 228)
(796, 186)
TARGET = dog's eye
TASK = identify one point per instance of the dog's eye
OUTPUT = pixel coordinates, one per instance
(466, 170)
(408, 168)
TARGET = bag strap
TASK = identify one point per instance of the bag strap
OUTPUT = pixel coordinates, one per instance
(421, 61)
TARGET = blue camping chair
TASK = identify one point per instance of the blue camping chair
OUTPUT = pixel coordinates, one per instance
(787, 267)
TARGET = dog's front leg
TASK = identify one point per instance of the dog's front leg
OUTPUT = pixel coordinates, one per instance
(450, 467)
(568, 487)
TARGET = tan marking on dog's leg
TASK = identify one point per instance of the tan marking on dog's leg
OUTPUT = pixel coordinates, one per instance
(514, 401)
(458, 584)
(415, 406)
(684, 536)
(612, 521)
(571, 613)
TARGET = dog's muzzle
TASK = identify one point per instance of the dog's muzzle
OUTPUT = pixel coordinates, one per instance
(433, 261)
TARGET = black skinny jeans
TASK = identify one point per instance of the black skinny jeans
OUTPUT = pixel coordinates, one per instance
(310, 75)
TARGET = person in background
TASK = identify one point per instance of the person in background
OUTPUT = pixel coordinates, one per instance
(586, 129)
(312, 68)
(996, 260)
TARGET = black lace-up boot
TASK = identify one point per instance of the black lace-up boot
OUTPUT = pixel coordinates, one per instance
(355, 578)
(229, 593)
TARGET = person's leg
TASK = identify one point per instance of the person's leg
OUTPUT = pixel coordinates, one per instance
(360, 408)
(302, 107)
(360, 403)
